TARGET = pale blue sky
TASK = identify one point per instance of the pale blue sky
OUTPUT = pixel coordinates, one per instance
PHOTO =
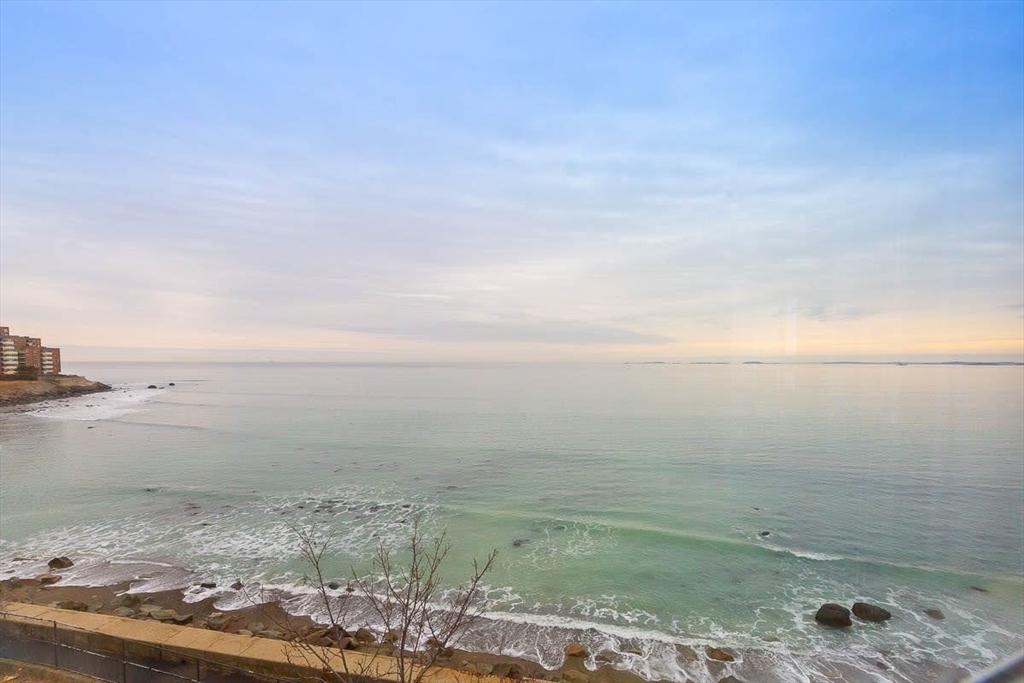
(514, 181)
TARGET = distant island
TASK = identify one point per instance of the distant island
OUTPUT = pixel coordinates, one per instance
(897, 363)
(31, 372)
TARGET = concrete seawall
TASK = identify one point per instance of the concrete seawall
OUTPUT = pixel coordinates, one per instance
(121, 636)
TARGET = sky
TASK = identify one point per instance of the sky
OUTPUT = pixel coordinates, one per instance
(513, 181)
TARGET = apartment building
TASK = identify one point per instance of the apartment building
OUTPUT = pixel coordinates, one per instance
(8, 355)
(19, 353)
(50, 360)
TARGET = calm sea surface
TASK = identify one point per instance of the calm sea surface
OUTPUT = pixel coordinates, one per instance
(639, 494)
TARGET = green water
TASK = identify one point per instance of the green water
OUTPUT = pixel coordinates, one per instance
(638, 495)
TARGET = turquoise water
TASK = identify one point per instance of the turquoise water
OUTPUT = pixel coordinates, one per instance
(639, 493)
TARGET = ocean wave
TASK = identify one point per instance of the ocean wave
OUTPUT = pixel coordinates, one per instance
(124, 399)
(191, 536)
(804, 554)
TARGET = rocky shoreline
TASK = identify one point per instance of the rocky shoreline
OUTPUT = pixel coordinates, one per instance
(270, 620)
(265, 617)
(16, 392)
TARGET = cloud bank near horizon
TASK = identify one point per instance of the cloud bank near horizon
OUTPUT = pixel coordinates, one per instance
(502, 182)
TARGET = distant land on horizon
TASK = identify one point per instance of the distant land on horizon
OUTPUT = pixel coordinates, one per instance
(895, 363)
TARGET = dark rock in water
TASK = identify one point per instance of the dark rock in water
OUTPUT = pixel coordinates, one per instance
(151, 386)
(374, 508)
(73, 605)
(350, 588)
(207, 584)
(833, 615)
(766, 533)
(979, 589)
(719, 654)
(520, 542)
(149, 489)
(170, 384)
(406, 506)
(935, 613)
(576, 650)
(869, 612)
(334, 585)
(62, 562)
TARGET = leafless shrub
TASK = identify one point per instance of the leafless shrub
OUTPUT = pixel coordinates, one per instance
(419, 618)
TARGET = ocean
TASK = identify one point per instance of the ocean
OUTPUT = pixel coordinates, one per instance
(639, 509)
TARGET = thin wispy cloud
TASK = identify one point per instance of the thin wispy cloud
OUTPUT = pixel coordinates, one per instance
(417, 181)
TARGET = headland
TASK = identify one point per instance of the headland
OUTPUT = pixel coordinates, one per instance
(14, 392)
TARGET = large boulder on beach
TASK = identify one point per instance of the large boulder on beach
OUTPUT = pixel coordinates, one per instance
(74, 605)
(272, 634)
(507, 670)
(831, 614)
(719, 654)
(575, 650)
(47, 579)
(216, 621)
(365, 635)
(132, 600)
(573, 676)
(869, 612)
(163, 614)
(62, 562)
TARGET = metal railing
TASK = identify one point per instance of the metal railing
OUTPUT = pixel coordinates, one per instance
(112, 658)
(1008, 671)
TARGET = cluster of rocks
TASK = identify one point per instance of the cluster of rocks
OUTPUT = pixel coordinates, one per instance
(135, 607)
(837, 616)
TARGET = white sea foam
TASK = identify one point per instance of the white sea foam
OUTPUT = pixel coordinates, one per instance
(254, 537)
(124, 399)
(806, 554)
